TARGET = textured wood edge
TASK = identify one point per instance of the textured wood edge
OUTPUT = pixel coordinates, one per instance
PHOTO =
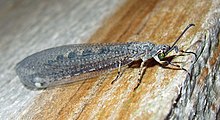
(199, 97)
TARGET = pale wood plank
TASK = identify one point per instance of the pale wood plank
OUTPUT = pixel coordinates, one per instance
(163, 93)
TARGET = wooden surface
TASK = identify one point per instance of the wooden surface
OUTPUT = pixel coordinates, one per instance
(163, 94)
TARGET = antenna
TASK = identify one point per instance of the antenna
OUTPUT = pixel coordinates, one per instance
(172, 47)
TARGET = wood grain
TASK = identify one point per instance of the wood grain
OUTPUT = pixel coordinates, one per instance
(163, 93)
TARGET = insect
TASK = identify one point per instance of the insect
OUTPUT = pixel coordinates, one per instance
(77, 62)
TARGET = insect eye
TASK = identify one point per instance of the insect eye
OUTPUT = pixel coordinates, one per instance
(161, 56)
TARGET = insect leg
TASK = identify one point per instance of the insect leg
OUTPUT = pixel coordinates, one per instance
(140, 74)
(182, 51)
(119, 72)
(178, 66)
